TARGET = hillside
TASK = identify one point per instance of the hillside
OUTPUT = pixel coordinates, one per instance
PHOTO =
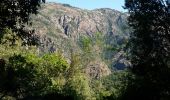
(98, 36)
(52, 51)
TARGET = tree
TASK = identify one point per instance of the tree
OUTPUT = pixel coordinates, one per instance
(149, 49)
(77, 84)
(15, 13)
(26, 75)
(21, 78)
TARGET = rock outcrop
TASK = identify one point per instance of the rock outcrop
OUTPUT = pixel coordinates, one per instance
(61, 26)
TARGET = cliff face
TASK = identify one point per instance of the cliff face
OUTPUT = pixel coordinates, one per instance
(100, 33)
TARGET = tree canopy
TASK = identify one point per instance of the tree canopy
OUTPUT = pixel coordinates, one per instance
(15, 13)
(149, 49)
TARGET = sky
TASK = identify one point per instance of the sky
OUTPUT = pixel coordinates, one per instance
(93, 4)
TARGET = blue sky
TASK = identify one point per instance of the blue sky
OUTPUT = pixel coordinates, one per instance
(92, 4)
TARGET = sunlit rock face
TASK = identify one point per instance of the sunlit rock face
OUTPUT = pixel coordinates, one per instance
(61, 26)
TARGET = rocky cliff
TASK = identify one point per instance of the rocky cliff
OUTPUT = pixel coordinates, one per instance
(98, 35)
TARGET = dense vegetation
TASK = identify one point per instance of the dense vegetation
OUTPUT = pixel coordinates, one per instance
(15, 13)
(26, 73)
(149, 50)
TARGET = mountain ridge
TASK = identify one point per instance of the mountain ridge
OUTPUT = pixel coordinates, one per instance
(69, 5)
(62, 27)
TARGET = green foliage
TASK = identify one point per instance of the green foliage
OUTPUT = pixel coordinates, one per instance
(99, 39)
(27, 74)
(14, 14)
(24, 73)
(78, 82)
(113, 86)
(21, 77)
(117, 83)
(8, 38)
(79, 87)
(56, 64)
(99, 89)
(149, 49)
(85, 43)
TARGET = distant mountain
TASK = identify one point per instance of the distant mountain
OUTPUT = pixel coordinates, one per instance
(99, 35)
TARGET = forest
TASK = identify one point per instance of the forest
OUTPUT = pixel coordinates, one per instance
(27, 73)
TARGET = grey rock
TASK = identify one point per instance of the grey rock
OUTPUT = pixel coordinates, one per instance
(60, 27)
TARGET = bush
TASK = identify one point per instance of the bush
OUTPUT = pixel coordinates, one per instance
(28, 74)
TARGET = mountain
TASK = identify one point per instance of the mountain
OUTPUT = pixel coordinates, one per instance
(98, 36)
